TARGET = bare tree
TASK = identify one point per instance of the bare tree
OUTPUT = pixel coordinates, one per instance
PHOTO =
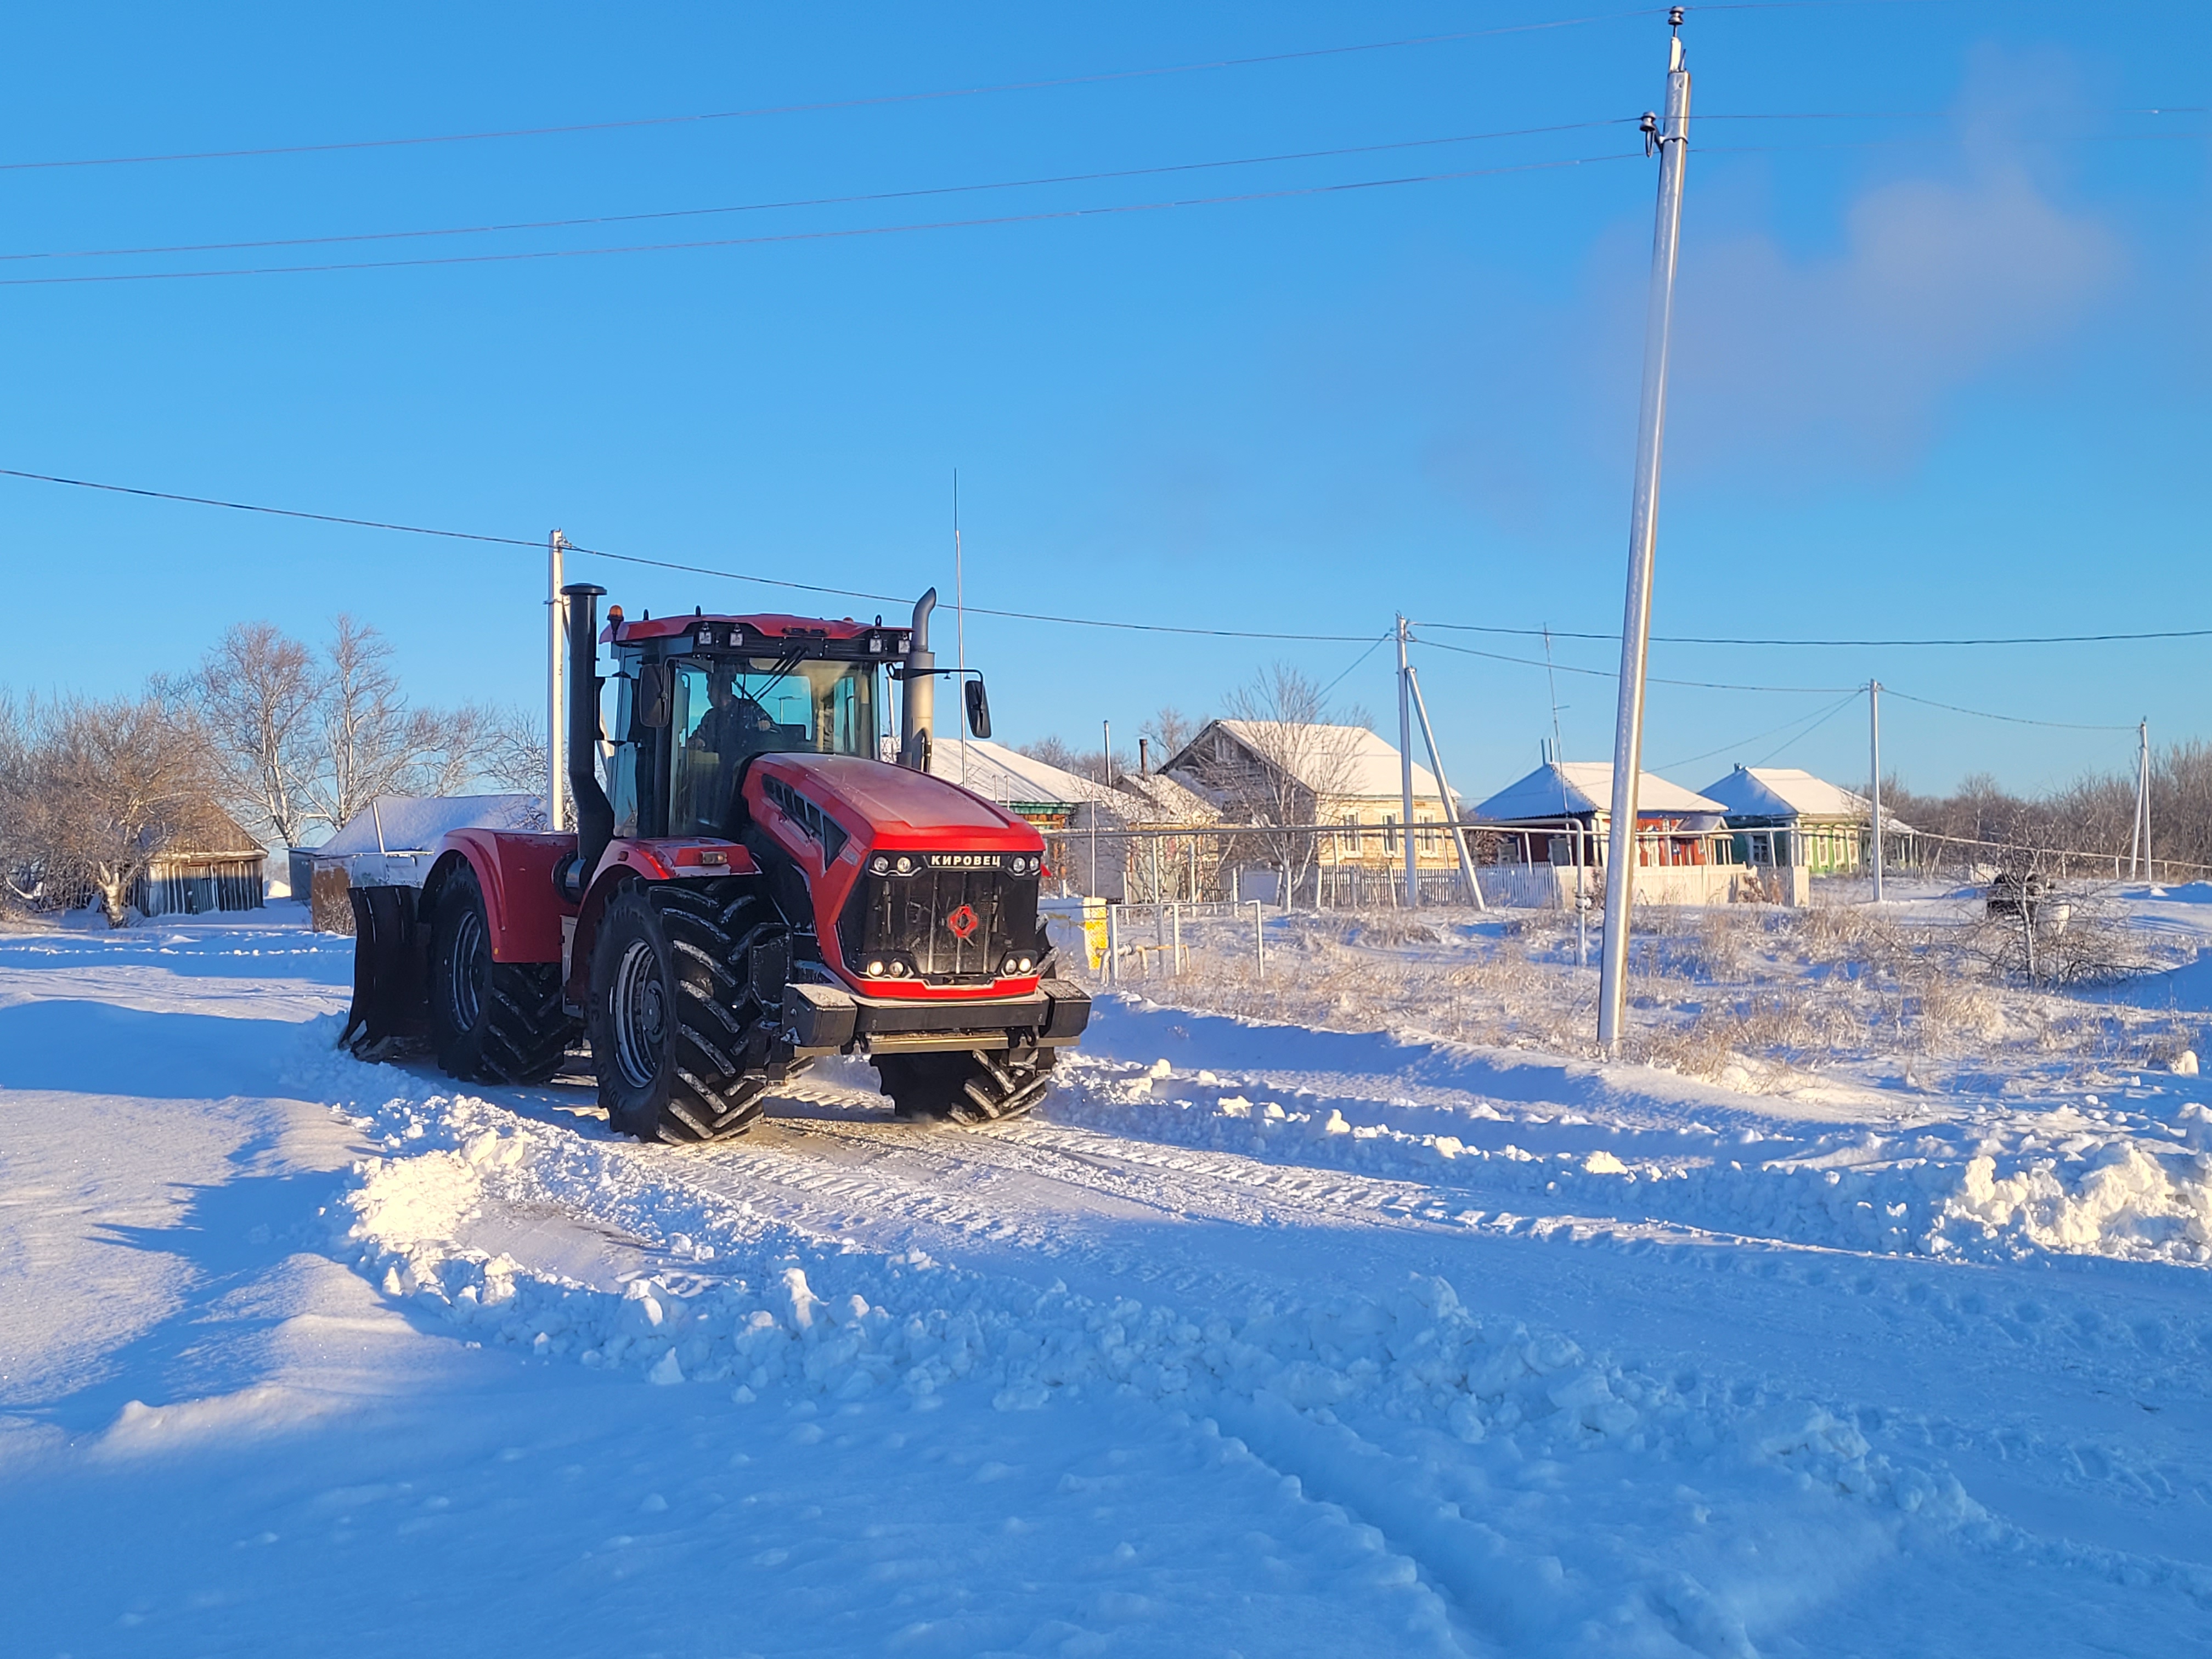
(107, 788)
(1170, 731)
(1278, 759)
(1052, 750)
(364, 738)
(18, 861)
(371, 742)
(510, 751)
(256, 695)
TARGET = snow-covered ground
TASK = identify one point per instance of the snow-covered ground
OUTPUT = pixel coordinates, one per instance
(1258, 1339)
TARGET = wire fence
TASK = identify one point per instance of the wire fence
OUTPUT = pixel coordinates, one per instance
(1326, 867)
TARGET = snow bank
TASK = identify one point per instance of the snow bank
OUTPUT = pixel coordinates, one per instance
(2082, 1176)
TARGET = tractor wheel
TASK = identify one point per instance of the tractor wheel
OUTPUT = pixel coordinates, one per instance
(966, 1085)
(679, 1038)
(490, 1022)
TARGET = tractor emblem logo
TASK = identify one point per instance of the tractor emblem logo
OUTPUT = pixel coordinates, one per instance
(962, 922)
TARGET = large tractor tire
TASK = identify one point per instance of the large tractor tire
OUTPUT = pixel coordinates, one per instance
(966, 1085)
(679, 1032)
(490, 1022)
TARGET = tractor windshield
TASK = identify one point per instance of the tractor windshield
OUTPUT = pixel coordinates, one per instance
(726, 709)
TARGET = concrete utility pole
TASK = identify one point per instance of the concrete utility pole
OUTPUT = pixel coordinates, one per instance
(1444, 794)
(1406, 768)
(556, 673)
(1874, 747)
(1671, 138)
(2143, 795)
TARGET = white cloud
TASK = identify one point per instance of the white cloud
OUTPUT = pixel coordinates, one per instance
(1937, 284)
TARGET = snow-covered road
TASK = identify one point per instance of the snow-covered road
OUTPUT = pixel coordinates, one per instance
(1254, 1340)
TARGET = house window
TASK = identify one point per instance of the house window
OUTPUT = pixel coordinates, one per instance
(1390, 834)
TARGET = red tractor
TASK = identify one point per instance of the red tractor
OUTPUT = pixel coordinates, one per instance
(752, 887)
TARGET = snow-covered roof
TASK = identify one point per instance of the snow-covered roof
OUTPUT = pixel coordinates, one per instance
(1790, 791)
(414, 824)
(1341, 763)
(1782, 792)
(1163, 799)
(1567, 788)
(1010, 777)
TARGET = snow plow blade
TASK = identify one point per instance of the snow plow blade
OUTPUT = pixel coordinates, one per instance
(391, 971)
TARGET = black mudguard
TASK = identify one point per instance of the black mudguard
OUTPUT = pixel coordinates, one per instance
(391, 970)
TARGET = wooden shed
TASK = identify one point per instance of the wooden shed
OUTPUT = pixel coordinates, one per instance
(219, 867)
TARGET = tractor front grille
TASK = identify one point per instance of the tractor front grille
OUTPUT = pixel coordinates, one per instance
(913, 918)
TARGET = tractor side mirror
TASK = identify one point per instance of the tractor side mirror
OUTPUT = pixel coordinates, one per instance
(979, 708)
(653, 679)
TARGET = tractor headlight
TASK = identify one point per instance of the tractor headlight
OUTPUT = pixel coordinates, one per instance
(875, 970)
(898, 970)
(1026, 964)
(878, 865)
(904, 866)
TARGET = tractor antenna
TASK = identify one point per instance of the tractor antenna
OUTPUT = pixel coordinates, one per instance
(960, 615)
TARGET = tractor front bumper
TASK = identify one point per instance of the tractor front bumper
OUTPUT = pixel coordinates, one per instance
(826, 1019)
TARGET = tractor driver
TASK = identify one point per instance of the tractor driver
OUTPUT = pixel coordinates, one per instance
(735, 726)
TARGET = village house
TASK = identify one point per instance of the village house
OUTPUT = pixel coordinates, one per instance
(1270, 772)
(1545, 835)
(1786, 819)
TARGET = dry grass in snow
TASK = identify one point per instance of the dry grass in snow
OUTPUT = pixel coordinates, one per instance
(1757, 996)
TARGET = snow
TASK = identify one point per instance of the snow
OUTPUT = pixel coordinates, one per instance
(414, 823)
(1258, 1337)
(1563, 788)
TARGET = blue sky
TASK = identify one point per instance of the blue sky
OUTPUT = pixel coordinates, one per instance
(1941, 368)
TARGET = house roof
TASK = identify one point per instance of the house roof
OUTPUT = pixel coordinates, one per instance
(1368, 766)
(1567, 789)
(1010, 777)
(211, 832)
(1163, 799)
(414, 823)
(1790, 791)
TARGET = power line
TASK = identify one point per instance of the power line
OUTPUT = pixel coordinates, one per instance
(2010, 720)
(273, 512)
(877, 102)
(1709, 639)
(1355, 663)
(1800, 737)
(1717, 686)
(1818, 717)
(804, 202)
(817, 235)
(587, 221)
(1924, 114)
(973, 610)
(1607, 674)
(537, 545)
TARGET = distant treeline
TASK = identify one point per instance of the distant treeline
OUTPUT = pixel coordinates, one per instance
(2094, 815)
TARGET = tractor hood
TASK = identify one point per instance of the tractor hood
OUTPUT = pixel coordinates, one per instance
(885, 806)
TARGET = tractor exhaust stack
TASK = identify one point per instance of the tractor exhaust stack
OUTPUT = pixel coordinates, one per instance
(595, 814)
(918, 707)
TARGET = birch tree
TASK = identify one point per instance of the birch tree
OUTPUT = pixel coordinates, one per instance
(257, 696)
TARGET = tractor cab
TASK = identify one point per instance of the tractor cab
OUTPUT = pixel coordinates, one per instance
(698, 697)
